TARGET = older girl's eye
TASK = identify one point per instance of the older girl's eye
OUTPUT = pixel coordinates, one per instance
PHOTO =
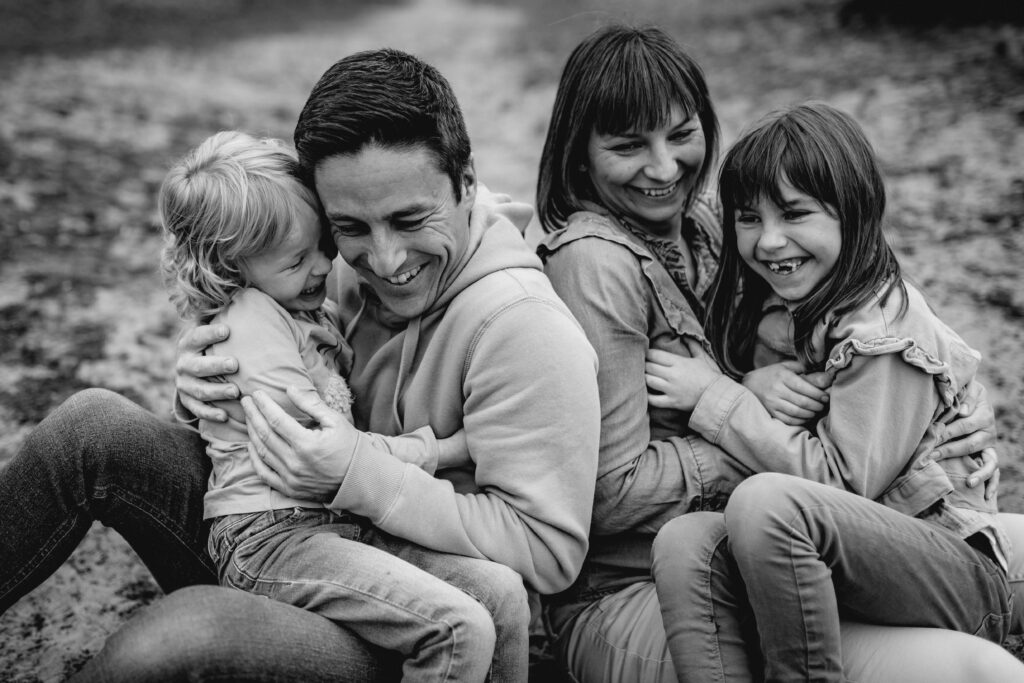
(746, 218)
(794, 214)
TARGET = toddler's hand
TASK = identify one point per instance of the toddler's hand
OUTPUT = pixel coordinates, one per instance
(453, 451)
(787, 393)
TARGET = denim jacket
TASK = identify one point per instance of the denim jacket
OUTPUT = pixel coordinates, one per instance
(651, 468)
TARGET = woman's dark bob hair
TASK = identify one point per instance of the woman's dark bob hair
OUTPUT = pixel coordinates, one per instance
(618, 79)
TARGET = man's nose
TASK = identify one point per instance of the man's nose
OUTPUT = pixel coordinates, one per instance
(387, 254)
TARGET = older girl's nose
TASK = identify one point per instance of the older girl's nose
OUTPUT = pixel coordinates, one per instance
(773, 236)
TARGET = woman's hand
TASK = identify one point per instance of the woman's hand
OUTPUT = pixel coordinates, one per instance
(973, 433)
(676, 381)
(302, 463)
(193, 367)
(788, 394)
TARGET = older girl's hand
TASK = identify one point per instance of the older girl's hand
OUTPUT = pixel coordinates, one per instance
(302, 463)
(192, 368)
(677, 381)
(789, 395)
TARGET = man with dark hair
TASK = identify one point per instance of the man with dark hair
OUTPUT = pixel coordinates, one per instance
(455, 331)
(454, 327)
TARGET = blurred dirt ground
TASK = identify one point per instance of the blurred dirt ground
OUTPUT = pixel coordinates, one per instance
(98, 97)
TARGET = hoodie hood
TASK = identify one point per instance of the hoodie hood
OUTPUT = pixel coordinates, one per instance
(496, 227)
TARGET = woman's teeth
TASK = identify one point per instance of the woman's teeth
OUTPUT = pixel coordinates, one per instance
(311, 290)
(657, 193)
(403, 278)
(785, 267)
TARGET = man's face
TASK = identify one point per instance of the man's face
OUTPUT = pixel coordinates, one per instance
(395, 220)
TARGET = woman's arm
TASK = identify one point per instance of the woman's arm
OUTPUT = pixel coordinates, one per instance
(642, 481)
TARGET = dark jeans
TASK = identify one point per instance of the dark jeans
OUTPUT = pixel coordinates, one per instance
(101, 457)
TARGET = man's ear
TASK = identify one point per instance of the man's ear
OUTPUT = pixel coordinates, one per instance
(469, 181)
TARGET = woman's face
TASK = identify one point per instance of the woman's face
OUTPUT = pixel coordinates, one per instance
(646, 175)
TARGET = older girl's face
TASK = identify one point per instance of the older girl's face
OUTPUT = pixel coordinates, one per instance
(646, 175)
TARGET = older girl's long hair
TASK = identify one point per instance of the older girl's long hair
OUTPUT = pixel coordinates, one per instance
(618, 79)
(823, 153)
(227, 200)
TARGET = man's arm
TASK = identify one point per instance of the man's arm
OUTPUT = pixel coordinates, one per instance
(531, 417)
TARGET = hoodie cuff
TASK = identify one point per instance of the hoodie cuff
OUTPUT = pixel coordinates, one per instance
(372, 483)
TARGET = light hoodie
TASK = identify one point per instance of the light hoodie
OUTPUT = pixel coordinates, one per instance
(500, 355)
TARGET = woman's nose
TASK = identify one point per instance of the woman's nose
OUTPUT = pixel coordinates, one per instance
(661, 164)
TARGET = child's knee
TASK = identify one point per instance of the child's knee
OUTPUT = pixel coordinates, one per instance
(508, 600)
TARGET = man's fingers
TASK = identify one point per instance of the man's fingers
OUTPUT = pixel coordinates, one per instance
(311, 404)
(206, 391)
(264, 472)
(202, 410)
(262, 434)
(198, 338)
(992, 485)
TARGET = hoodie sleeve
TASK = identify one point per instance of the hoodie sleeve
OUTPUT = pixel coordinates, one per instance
(531, 417)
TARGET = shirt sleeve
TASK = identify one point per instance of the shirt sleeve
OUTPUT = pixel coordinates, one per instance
(531, 419)
(265, 340)
(642, 482)
(880, 408)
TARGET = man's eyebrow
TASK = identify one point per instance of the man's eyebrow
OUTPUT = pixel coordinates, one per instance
(399, 214)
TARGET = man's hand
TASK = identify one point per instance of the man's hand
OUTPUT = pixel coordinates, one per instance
(193, 367)
(302, 463)
(787, 393)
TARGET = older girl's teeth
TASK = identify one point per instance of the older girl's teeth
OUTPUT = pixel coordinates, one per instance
(785, 267)
(403, 278)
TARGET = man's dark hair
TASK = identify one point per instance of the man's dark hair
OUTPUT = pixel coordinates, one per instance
(382, 97)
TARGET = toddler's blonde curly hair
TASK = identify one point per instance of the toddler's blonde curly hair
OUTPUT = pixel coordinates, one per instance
(229, 199)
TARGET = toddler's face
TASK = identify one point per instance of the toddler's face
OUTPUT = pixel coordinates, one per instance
(293, 273)
(793, 246)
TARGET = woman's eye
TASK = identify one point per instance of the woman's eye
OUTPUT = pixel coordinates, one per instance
(625, 147)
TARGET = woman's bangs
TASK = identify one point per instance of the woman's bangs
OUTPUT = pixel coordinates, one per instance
(640, 99)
